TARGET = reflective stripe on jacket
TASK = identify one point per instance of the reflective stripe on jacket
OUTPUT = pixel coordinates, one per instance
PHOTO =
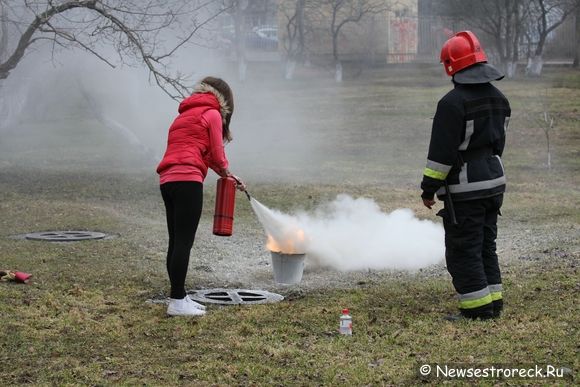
(467, 141)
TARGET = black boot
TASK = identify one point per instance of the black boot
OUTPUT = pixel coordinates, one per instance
(497, 308)
(484, 312)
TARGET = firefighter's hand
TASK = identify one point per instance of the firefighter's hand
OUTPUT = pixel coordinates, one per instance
(428, 203)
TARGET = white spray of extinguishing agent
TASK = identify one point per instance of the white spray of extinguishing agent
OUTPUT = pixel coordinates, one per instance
(345, 327)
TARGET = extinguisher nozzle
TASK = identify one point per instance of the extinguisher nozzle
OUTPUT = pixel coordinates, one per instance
(248, 195)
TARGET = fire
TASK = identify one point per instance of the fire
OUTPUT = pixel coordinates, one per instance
(292, 243)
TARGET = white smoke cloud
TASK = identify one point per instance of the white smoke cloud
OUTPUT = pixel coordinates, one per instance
(351, 234)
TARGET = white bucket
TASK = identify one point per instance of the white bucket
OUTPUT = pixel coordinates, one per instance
(288, 268)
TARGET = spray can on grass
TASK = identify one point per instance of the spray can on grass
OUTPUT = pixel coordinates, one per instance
(345, 327)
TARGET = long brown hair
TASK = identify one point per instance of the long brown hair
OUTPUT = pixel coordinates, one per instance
(224, 89)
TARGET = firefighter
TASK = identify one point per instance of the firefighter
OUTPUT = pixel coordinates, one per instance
(465, 170)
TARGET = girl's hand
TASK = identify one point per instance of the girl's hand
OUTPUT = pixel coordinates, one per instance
(225, 173)
(240, 184)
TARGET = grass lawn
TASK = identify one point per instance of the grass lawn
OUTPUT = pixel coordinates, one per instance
(83, 319)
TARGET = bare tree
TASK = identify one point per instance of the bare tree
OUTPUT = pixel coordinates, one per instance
(544, 118)
(343, 12)
(3, 34)
(500, 21)
(544, 17)
(577, 33)
(237, 10)
(547, 123)
(133, 28)
(245, 13)
(506, 23)
(294, 37)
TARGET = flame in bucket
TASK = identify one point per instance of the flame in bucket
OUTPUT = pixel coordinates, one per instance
(291, 243)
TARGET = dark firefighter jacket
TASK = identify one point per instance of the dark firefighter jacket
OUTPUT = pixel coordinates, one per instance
(467, 141)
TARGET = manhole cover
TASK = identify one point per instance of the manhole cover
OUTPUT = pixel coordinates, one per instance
(235, 296)
(64, 236)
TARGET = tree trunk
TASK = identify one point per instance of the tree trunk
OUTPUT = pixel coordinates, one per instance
(295, 52)
(516, 40)
(335, 46)
(300, 25)
(13, 99)
(334, 30)
(338, 71)
(511, 69)
(337, 64)
(240, 18)
(577, 48)
(3, 35)
(499, 46)
(289, 68)
(535, 66)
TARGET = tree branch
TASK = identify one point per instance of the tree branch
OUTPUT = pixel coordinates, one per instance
(25, 39)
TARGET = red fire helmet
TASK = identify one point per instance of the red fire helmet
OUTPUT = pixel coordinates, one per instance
(461, 51)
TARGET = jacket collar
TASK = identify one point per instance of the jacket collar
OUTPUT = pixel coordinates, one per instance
(478, 73)
(205, 88)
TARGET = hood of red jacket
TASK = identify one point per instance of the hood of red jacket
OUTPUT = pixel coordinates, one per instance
(199, 100)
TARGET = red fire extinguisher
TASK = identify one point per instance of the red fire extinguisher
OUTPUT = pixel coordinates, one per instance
(225, 203)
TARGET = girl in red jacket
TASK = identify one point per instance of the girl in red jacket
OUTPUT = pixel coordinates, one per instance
(195, 143)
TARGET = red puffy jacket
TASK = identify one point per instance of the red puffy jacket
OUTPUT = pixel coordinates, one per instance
(195, 141)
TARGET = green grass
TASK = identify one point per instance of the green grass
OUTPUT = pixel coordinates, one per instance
(83, 319)
(67, 330)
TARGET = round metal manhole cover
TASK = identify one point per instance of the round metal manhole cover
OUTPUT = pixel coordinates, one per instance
(235, 296)
(64, 236)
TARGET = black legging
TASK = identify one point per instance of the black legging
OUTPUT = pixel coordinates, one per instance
(183, 203)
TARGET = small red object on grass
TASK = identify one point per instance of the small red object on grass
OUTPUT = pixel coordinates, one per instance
(22, 277)
(17, 276)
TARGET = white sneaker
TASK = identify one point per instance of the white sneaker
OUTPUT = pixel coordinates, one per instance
(196, 304)
(183, 307)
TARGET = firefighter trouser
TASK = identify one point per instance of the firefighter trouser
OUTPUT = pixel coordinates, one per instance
(470, 254)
